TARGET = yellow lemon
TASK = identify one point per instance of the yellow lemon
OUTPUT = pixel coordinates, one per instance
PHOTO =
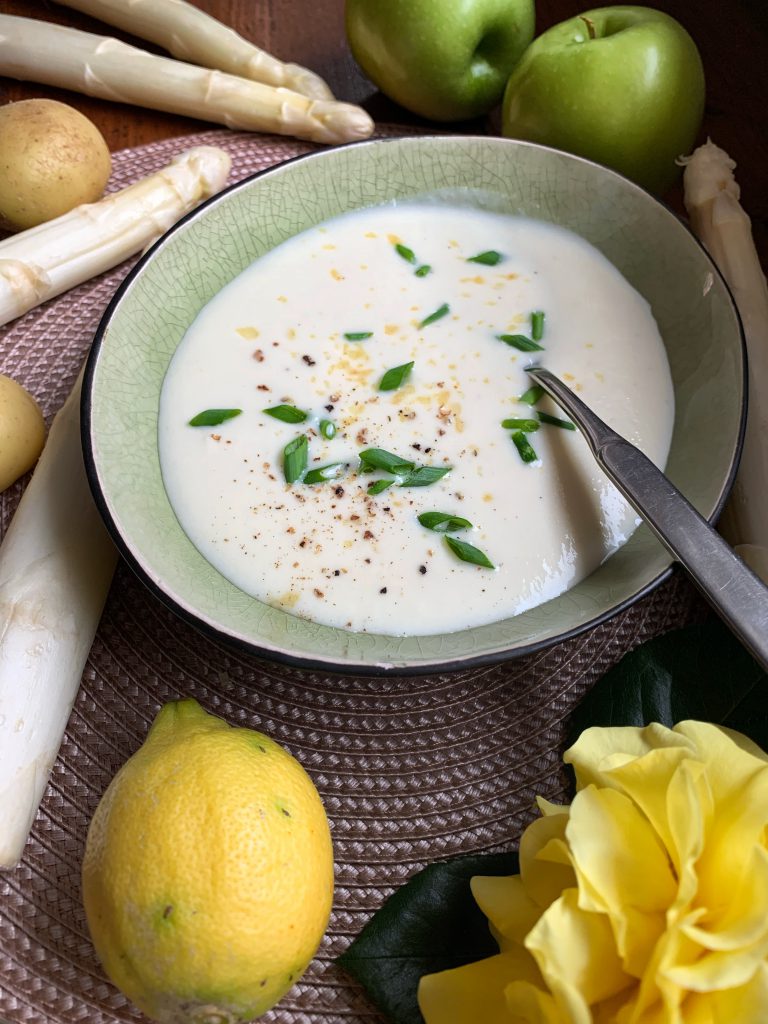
(208, 871)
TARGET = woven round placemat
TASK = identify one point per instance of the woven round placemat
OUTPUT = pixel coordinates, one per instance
(411, 770)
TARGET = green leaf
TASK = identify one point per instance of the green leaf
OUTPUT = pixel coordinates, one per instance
(491, 258)
(395, 377)
(700, 672)
(358, 335)
(469, 553)
(423, 270)
(431, 924)
(444, 310)
(520, 342)
(378, 458)
(443, 522)
(286, 413)
(295, 458)
(212, 417)
(423, 476)
(328, 429)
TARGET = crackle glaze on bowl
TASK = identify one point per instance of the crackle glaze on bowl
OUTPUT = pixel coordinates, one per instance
(150, 313)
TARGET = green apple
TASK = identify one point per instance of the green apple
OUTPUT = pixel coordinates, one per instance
(623, 86)
(447, 60)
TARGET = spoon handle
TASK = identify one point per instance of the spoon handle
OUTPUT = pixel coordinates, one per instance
(733, 590)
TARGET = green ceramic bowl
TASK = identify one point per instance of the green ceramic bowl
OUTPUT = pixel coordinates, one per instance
(161, 297)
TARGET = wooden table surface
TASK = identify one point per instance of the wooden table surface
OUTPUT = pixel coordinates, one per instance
(732, 36)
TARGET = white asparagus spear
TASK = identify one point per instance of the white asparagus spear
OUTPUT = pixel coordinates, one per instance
(192, 35)
(45, 261)
(56, 564)
(39, 51)
(712, 201)
(56, 560)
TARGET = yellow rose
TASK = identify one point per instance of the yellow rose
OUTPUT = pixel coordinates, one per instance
(643, 902)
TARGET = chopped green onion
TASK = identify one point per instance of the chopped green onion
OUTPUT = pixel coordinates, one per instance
(443, 522)
(405, 252)
(358, 335)
(328, 429)
(532, 395)
(437, 315)
(423, 270)
(410, 475)
(324, 473)
(519, 341)
(379, 485)
(537, 325)
(295, 458)
(377, 458)
(286, 413)
(555, 421)
(527, 454)
(423, 476)
(529, 426)
(394, 377)
(489, 259)
(212, 417)
(469, 553)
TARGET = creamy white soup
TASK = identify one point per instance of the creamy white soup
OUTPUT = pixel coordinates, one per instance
(407, 481)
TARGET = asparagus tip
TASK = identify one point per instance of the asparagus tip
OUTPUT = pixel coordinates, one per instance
(210, 163)
(708, 172)
(303, 80)
(342, 122)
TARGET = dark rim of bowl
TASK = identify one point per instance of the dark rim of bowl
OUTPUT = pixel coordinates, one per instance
(367, 669)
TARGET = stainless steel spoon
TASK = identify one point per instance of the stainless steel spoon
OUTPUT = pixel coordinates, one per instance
(733, 590)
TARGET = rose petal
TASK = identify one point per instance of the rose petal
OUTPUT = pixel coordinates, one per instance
(739, 824)
(719, 970)
(737, 948)
(475, 992)
(744, 923)
(546, 876)
(717, 743)
(649, 781)
(514, 904)
(576, 954)
(530, 1005)
(619, 1011)
(689, 811)
(547, 808)
(743, 1005)
(505, 902)
(658, 998)
(598, 751)
(622, 871)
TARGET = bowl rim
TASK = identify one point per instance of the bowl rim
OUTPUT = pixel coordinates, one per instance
(361, 668)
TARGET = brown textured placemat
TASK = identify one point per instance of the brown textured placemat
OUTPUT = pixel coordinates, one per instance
(411, 770)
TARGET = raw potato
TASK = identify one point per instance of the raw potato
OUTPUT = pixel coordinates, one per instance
(52, 158)
(22, 431)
